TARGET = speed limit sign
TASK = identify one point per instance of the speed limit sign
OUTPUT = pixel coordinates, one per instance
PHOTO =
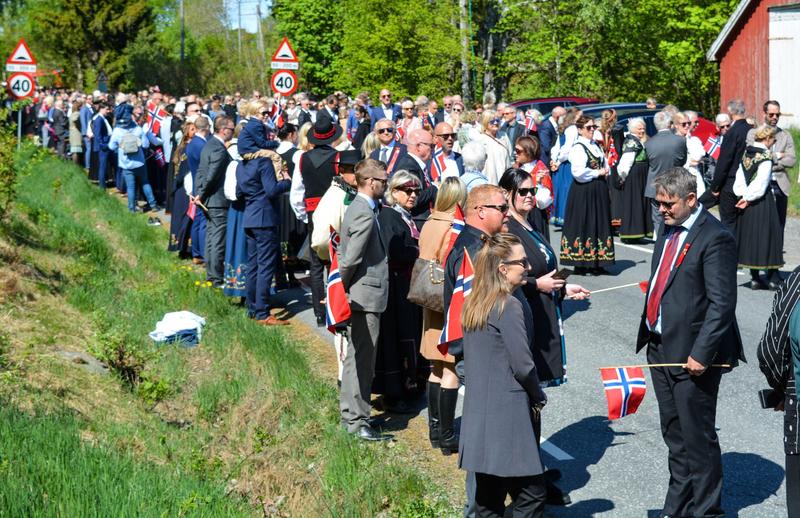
(284, 82)
(20, 85)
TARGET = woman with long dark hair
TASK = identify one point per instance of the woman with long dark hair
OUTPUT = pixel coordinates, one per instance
(180, 226)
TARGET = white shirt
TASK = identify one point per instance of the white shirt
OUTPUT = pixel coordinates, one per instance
(687, 226)
(450, 167)
(297, 192)
(577, 157)
(544, 198)
(387, 151)
(418, 160)
(694, 153)
(560, 153)
(388, 112)
(758, 183)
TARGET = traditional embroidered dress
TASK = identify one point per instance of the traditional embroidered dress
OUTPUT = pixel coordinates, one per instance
(632, 169)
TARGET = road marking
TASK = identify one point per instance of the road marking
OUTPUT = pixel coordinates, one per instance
(617, 242)
(555, 452)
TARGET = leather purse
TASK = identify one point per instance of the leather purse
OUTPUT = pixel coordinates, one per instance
(427, 283)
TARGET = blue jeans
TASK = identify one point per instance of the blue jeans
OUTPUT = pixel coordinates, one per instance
(131, 177)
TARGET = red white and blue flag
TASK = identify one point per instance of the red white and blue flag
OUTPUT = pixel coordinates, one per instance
(452, 320)
(276, 114)
(625, 388)
(337, 308)
(155, 115)
(712, 147)
(438, 164)
(530, 122)
(455, 229)
(400, 133)
(158, 155)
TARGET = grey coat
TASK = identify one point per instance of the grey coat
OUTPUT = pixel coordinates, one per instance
(210, 180)
(497, 427)
(665, 150)
(362, 259)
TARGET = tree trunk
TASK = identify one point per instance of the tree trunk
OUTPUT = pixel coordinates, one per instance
(465, 37)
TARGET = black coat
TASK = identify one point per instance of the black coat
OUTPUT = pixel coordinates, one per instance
(730, 155)
(470, 239)
(427, 197)
(698, 306)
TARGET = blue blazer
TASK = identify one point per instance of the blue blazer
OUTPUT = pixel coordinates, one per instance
(547, 138)
(254, 137)
(257, 185)
(85, 117)
(101, 135)
(193, 150)
(377, 113)
(459, 163)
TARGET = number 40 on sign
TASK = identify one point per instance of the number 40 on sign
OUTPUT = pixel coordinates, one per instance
(284, 82)
(20, 85)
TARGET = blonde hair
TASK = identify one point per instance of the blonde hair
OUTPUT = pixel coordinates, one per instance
(398, 179)
(486, 116)
(452, 191)
(764, 132)
(490, 288)
(302, 137)
(371, 143)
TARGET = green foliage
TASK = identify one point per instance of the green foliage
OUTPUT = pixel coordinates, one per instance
(8, 174)
(794, 178)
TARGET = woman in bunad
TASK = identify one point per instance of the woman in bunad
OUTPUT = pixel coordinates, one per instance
(632, 170)
(560, 166)
(527, 151)
(586, 241)
(759, 236)
(609, 138)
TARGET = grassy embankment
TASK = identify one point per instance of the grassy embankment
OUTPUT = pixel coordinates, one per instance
(794, 197)
(240, 426)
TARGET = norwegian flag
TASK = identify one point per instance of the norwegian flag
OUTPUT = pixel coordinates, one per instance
(191, 211)
(400, 133)
(452, 320)
(625, 388)
(455, 229)
(158, 155)
(438, 164)
(712, 147)
(530, 122)
(337, 308)
(155, 116)
(276, 115)
(613, 156)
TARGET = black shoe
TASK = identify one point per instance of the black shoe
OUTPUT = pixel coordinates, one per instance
(555, 496)
(774, 285)
(433, 413)
(757, 285)
(321, 321)
(153, 222)
(551, 475)
(367, 433)
(448, 439)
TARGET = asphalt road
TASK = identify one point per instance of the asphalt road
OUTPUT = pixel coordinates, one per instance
(619, 468)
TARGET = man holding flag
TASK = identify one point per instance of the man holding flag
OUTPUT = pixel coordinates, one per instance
(689, 321)
(444, 138)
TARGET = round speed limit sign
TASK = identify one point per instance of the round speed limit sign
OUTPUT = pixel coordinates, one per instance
(20, 85)
(284, 82)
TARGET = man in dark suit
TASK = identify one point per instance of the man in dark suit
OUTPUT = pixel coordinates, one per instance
(418, 163)
(390, 151)
(60, 128)
(85, 118)
(101, 134)
(511, 128)
(305, 111)
(364, 270)
(214, 160)
(193, 151)
(665, 150)
(257, 185)
(730, 155)
(386, 109)
(330, 111)
(445, 137)
(690, 319)
(434, 115)
(548, 133)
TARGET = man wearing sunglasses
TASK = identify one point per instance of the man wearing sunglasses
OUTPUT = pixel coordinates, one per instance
(783, 157)
(665, 150)
(418, 163)
(386, 109)
(391, 151)
(445, 137)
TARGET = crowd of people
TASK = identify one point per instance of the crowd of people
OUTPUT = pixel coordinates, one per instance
(406, 193)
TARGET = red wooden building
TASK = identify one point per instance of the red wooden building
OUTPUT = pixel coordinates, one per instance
(758, 51)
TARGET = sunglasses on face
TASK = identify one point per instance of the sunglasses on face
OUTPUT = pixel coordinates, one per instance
(385, 130)
(518, 150)
(494, 122)
(771, 115)
(445, 136)
(500, 208)
(386, 96)
(409, 190)
(724, 126)
(457, 110)
(524, 191)
(685, 124)
(427, 144)
(520, 262)
(590, 127)
(666, 204)
(382, 180)
(264, 114)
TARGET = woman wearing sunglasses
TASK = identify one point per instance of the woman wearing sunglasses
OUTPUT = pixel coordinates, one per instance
(400, 371)
(586, 240)
(527, 151)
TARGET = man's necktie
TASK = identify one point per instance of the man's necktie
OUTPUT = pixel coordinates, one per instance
(385, 155)
(657, 290)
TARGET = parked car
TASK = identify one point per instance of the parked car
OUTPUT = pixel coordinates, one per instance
(546, 104)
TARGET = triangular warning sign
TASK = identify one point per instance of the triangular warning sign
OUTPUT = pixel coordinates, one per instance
(285, 52)
(21, 55)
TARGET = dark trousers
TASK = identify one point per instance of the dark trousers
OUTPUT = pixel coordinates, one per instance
(87, 152)
(781, 202)
(793, 486)
(687, 406)
(528, 495)
(199, 234)
(216, 225)
(102, 168)
(263, 248)
(317, 271)
(655, 216)
(727, 207)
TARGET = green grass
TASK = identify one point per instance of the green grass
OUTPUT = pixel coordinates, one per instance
(255, 411)
(794, 196)
(47, 470)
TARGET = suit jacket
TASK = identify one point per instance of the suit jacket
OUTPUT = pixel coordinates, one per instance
(60, 124)
(459, 162)
(470, 239)
(86, 114)
(377, 113)
(398, 148)
(698, 306)
(497, 428)
(548, 136)
(323, 114)
(261, 191)
(730, 155)
(427, 197)
(193, 151)
(214, 160)
(302, 118)
(665, 150)
(363, 265)
(513, 133)
(101, 134)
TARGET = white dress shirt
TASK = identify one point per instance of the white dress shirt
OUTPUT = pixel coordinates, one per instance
(577, 157)
(758, 183)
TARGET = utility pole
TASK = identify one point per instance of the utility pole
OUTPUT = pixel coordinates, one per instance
(183, 31)
(260, 44)
(239, 28)
(462, 27)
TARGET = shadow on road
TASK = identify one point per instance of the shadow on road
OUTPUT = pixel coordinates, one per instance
(749, 479)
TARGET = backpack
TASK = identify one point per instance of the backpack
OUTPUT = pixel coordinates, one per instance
(129, 143)
(794, 342)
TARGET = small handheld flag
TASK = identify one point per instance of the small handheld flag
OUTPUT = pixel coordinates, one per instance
(452, 320)
(530, 122)
(159, 157)
(712, 147)
(625, 388)
(191, 211)
(455, 229)
(438, 164)
(276, 115)
(337, 308)
(400, 133)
